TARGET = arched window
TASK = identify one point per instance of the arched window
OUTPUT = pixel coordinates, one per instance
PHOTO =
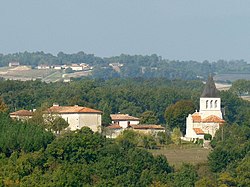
(211, 104)
(206, 103)
(215, 104)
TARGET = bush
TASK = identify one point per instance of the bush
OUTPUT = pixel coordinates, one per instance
(208, 137)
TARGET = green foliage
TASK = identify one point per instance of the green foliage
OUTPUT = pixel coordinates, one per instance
(22, 136)
(59, 124)
(80, 147)
(69, 70)
(241, 87)
(106, 119)
(148, 117)
(176, 114)
(176, 136)
(207, 136)
(231, 145)
(186, 176)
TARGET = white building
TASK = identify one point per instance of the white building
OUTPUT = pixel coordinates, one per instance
(14, 64)
(76, 67)
(43, 66)
(78, 116)
(209, 118)
(121, 122)
(124, 120)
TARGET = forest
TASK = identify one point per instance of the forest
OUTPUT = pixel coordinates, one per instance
(147, 66)
(33, 156)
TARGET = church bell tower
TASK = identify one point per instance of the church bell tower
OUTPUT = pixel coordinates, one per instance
(210, 102)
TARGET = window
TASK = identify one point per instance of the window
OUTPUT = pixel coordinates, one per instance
(215, 104)
(206, 103)
(211, 104)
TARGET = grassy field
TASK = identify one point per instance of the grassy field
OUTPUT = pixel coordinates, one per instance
(178, 155)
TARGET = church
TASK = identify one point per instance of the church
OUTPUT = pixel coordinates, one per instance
(209, 118)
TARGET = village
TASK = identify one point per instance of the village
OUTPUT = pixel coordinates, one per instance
(207, 120)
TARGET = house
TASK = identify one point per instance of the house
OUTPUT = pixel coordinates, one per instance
(21, 114)
(57, 67)
(121, 122)
(43, 66)
(78, 116)
(14, 64)
(124, 120)
(209, 118)
(76, 67)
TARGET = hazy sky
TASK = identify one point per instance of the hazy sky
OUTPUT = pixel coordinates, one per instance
(175, 29)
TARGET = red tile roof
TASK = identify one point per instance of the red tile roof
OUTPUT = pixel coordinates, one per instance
(22, 113)
(147, 127)
(196, 117)
(114, 126)
(198, 131)
(214, 119)
(72, 109)
(123, 117)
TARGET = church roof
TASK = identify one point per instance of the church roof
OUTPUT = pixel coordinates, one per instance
(213, 118)
(196, 117)
(210, 89)
(198, 131)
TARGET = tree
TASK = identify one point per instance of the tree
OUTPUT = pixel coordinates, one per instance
(175, 115)
(106, 119)
(148, 117)
(176, 136)
(59, 124)
(3, 106)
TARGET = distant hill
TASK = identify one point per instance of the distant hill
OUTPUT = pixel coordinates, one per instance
(146, 66)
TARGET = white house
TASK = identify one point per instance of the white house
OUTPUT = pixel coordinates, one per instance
(78, 116)
(43, 66)
(14, 64)
(209, 118)
(76, 67)
(124, 120)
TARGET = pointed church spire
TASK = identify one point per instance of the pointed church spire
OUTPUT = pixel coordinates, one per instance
(210, 89)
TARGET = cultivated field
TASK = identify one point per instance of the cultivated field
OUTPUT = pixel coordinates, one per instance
(176, 156)
(25, 73)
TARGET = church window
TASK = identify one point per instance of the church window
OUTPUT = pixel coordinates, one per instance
(206, 103)
(211, 104)
(215, 104)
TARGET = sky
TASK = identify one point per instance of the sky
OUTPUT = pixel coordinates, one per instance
(174, 29)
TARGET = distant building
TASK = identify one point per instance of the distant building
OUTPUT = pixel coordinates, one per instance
(21, 114)
(76, 67)
(57, 67)
(14, 64)
(209, 119)
(43, 66)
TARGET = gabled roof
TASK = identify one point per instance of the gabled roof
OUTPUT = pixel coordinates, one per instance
(213, 119)
(210, 89)
(146, 126)
(198, 131)
(114, 126)
(22, 113)
(123, 117)
(196, 117)
(72, 109)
